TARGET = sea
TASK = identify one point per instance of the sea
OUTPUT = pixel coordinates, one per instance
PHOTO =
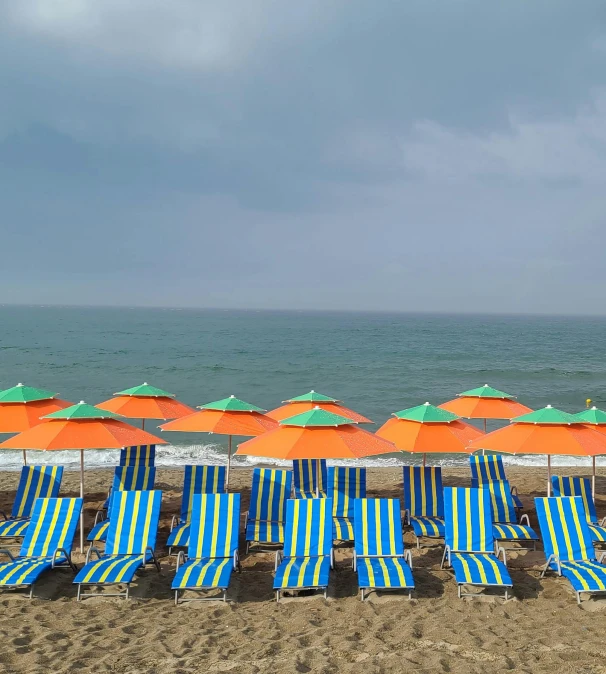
(376, 363)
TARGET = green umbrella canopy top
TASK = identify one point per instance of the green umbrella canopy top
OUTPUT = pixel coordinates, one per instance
(25, 394)
(317, 418)
(145, 391)
(592, 416)
(312, 397)
(231, 404)
(486, 392)
(427, 414)
(82, 411)
(548, 415)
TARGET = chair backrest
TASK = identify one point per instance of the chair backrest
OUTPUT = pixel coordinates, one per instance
(564, 528)
(215, 523)
(138, 455)
(134, 523)
(344, 485)
(52, 526)
(423, 493)
(308, 530)
(269, 493)
(468, 520)
(503, 508)
(576, 486)
(305, 475)
(486, 468)
(36, 482)
(200, 480)
(132, 478)
(377, 527)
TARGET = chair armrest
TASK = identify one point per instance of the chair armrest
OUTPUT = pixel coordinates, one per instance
(181, 558)
(332, 558)
(445, 556)
(406, 517)
(90, 552)
(502, 550)
(525, 520)
(68, 557)
(602, 522)
(3, 514)
(408, 557)
(601, 557)
(237, 565)
(176, 519)
(279, 558)
(100, 516)
(8, 553)
(354, 560)
(514, 490)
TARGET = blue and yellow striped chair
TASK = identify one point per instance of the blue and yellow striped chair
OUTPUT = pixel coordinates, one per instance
(126, 478)
(138, 455)
(379, 555)
(424, 501)
(264, 522)
(581, 486)
(305, 474)
(35, 482)
(47, 543)
(568, 544)
(307, 558)
(212, 553)
(470, 548)
(197, 480)
(131, 539)
(344, 485)
(487, 468)
(505, 520)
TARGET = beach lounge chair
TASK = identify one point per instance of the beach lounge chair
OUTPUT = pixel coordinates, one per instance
(197, 480)
(131, 539)
(424, 502)
(488, 467)
(264, 522)
(212, 553)
(505, 520)
(581, 486)
(568, 544)
(126, 478)
(305, 473)
(379, 556)
(138, 455)
(307, 558)
(47, 543)
(344, 485)
(470, 548)
(35, 482)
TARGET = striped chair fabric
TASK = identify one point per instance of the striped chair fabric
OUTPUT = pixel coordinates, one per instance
(345, 484)
(488, 468)
(138, 455)
(505, 520)
(581, 486)
(265, 518)
(424, 501)
(305, 476)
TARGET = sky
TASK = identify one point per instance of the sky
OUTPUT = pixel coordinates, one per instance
(331, 154)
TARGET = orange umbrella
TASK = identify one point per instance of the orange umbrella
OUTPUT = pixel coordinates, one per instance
(309, 401)
(225, 417)
(428, 429)
(80, 427)
(146, 402)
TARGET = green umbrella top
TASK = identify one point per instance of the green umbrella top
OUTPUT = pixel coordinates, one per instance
(82, 411)
(486, 392)
(145, 391)
(312, 397)
(231, 404)
(548, 415)
(317, 418)
(25, 394)
(592, 416)
(427, 414)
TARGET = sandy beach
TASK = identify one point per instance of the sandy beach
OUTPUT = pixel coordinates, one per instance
(540, 630)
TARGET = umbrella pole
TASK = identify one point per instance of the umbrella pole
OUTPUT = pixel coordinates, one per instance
(228, 463)
(25, 457)
(82, 497)
(318, 474)
(593, 479)
(142, 424)
(484, 425)
(424, 459)
(549, 475)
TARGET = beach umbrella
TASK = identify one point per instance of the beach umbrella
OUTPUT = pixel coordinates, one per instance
(230, 417)
(22, 407)
(80, 427)
(146, 402)
(546, 431)
(316, 434)
(311, 400)
(596, 419)
(427, 429)
(485, 403)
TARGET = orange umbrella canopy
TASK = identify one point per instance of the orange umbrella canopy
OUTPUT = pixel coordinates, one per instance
(309, 401)
(22, 406)
(317, 434)
(485, 402)
(146, 402)
(427, 429)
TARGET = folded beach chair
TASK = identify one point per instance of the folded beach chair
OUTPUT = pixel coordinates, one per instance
(568, 544)
(344, 485)
(581, 486)
(487, 468)
(505, 520)
(470, 548)
(265, 518)
(212, 553)
(138, 455)
(424, 502)
(379, 555)
(35, 482)
(131, 539)
(126, 478)
(307, 558)
(47, 543)
(197, 480)
(305, 474)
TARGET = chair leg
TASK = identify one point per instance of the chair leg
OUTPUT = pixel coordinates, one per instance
(362, 593)
(78, 598)
(31, 591)
(277, 596)
(176, 597)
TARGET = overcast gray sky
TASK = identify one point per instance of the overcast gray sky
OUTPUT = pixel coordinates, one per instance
(395, 155)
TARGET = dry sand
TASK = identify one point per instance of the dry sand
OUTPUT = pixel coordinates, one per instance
(540, 630)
